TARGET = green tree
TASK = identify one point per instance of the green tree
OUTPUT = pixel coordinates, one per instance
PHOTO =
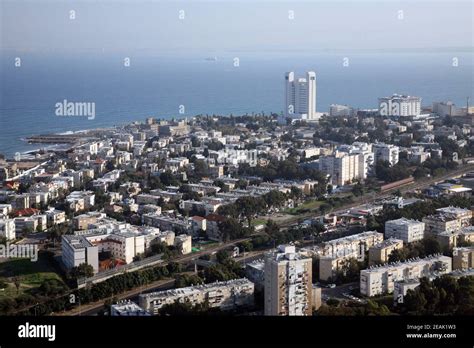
(81, 271)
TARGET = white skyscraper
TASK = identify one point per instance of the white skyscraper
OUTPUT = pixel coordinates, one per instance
(300, 96)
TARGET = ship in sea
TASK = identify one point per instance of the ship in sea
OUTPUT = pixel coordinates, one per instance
(211, 59)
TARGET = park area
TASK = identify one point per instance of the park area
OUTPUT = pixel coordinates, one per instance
(20, 276)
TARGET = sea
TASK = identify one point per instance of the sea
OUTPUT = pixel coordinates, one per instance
(167, 86)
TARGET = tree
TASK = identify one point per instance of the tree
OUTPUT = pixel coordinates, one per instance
(431, 246)
(17, 283)
(245, 246)
(249, 206)
(84, 270)
(414, 301)
(358, 189)
(231, 229)
(222, 256)
(168, 179)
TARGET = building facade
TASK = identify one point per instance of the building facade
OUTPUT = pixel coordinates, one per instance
(381, 279)
(405, 229)
(224, 295)
(288, 282)
(399, 105)
(300, 96)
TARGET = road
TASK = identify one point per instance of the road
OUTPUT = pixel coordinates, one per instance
(338, 292)
(96, 307)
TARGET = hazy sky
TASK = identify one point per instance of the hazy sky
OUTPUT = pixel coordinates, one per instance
(228, 26)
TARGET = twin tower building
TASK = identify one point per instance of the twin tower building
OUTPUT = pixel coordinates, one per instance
(300, 96)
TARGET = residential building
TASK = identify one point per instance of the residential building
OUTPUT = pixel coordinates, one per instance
(463, 258)
(7, 229)
(223, 295)
(379, 254)
(405, 229)
(77, 250)
(379, 280)
(386, 152)
(127, 308)
(342, 168)
(401, 288)
(447, 220)
(183, 243)
(399, 105)
(336, 252)
(288, 283)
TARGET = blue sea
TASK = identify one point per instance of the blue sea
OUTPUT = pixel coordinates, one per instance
(158, 85)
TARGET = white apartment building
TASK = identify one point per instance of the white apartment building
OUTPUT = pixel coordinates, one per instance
(336, 252)
(366, 156)
(379, 280)
(341, 110)
(300, 96)
(399, 105)
(342, 167)
(31, 223)
(127, 309)
(184, 243)
(288, 282)
(80, 200)
(85, 248)
(77, 250)
(447, 219)
(124, 245)
(405, 229)
(7, 229)
(224, 295)
(386, 152)
(447, 109)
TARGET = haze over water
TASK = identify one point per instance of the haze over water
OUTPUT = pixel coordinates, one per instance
(82, 59)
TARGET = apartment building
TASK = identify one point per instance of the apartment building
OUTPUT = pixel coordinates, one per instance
(83, 221)
(386, 152)
(336, 252)
(127, 309)
(80, 200)
(405, 229)
(378, 280)
(7, 229)
(167, 223)
(223, 295)
(85, 248)
(183, 243)
(399, 105)
(288, 282)
(77, 250)
(463, 258)
(447, 219)
(379, 253)
(342, 167)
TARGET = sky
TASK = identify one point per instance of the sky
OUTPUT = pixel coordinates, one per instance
(155, 27)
